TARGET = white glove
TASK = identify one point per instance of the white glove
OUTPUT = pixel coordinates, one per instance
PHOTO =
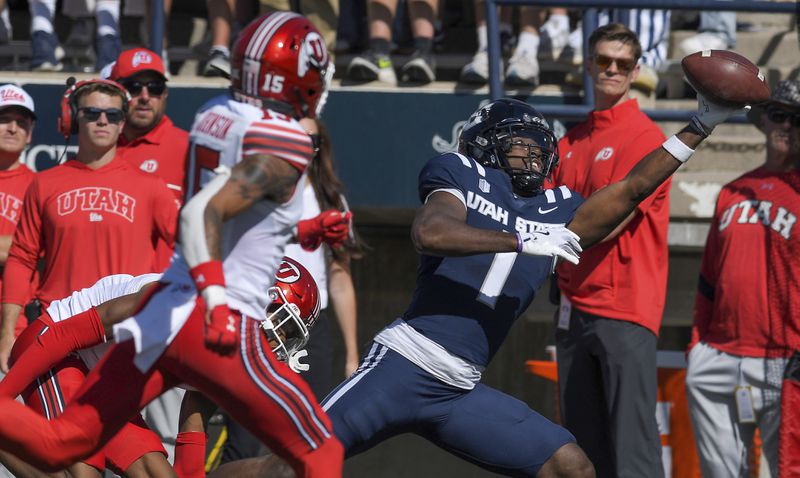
(551, 242)
(294, 361)
(710, 114)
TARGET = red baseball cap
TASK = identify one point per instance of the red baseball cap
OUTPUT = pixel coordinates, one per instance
(137, 60)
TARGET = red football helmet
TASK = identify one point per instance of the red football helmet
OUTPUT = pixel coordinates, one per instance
(281, 57)
(294, 308)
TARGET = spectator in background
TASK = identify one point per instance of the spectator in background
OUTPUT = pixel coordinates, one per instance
(652, 28)
(330, 268)
(17, 118)
(608, 322)
(220, 20)
(94, 222)
(151, 142)
(324, 14)
(523, 67)
(46, 52)
(376, 64)
(717, 31)
(745, 321)
(91, 217)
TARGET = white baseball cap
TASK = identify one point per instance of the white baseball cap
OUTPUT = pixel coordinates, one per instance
(12, 95)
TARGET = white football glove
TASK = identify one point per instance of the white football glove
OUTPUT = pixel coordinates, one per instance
(551, 242)
(710, 114)
(294, 361)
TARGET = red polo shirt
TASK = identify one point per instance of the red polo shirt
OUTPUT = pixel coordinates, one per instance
(87, 223)
(623, 278)
(13, 185)
(161, 151)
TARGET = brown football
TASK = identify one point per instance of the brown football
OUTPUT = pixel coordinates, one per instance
(725, 77)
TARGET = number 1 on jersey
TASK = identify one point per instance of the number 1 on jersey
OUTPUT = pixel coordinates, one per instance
(496, 278)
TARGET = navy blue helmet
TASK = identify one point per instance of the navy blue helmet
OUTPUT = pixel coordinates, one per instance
(490, 133)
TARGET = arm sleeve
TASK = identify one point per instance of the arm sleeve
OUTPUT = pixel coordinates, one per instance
(636, 149)
(445, 172)
(24, 253)
(287, 142)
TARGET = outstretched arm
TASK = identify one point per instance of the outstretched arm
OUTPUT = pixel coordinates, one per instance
(604, 210)
(82, 330)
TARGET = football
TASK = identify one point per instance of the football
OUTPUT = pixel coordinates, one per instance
(726, 78)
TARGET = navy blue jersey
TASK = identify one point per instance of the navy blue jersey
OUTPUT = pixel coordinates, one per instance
(468, 304)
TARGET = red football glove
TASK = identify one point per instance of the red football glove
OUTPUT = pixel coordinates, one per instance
(331, 227)
(220, 325)
(220, 332)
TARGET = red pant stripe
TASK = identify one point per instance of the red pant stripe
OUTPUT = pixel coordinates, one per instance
(50, 395)
(289, 390)
(258, 372)
(258, 369)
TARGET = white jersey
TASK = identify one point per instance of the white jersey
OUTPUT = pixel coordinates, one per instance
(225, 131)
(107, 288)
(315, 261)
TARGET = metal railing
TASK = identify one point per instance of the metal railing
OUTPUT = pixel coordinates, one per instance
(590, 24)
(157, 26)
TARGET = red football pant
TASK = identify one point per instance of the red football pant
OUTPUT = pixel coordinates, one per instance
(49, 393)
(34, 352)
(260, 392)
(789, 448)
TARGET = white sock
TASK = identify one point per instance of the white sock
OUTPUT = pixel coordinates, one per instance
(528, 41)
(107, 14)
(561, 22)
(483, 43)
(222, 49)
(42, 13)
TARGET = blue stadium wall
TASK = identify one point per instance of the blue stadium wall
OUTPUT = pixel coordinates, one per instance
(381, 139)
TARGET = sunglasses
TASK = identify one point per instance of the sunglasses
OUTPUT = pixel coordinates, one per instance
(778, 116)
(624, 65)
(154, 88)
(113, 115)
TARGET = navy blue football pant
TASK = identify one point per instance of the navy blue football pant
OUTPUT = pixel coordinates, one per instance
(389, 395)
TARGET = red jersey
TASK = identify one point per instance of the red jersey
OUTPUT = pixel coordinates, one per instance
(623, 278)
(13, 185)
(748, 299)
(89, 223)
(161, 151)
